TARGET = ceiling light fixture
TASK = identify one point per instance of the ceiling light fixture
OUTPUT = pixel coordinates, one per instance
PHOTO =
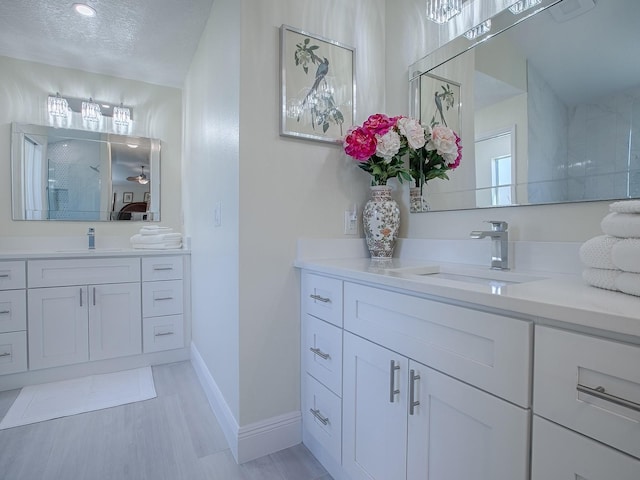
(478, 30)
(84, 9)
(91, 111)
(441, 11)
(142, 179)
(523, 5)
(121, 116)
(58, 106)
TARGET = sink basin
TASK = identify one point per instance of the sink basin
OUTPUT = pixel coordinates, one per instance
(473, 275)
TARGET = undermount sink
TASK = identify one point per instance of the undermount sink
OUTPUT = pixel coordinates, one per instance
(473, 275)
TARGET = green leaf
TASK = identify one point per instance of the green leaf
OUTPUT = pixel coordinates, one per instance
(306, 69)
(325, 127)
(306, 41)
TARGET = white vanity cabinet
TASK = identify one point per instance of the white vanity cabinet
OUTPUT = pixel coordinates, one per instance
(73, 321)
(586, 406)
(13, 317)
(404, 419)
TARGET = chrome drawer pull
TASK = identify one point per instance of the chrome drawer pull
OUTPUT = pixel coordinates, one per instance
(4, 275)
(316, 413)
(392, 381)
(320, 299)
(5, 354)
(412, 391)
(80, 297)
(5, 312)
(162, 268)
(164, 298)
(163, 334)
(600, 393)
(320, 353)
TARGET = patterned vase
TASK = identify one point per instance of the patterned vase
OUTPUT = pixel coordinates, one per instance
(417, 202)
(381, 218)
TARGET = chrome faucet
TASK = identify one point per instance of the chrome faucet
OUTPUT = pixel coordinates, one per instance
(92, 238)
(499, 243)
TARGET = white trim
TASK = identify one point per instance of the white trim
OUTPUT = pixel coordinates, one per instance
(256, 439)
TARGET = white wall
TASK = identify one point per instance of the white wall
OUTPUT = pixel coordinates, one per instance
(157, 110)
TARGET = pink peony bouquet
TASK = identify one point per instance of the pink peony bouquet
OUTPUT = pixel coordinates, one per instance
(381, 143)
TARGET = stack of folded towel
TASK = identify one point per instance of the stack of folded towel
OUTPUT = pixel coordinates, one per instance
(154, 237)
(612, 260)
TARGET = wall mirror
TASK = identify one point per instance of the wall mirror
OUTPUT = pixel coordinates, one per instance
(64, 174)
(549, 106)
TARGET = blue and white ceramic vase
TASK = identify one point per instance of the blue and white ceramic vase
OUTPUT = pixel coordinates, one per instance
(381, 218)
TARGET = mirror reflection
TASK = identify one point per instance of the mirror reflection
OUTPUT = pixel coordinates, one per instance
(549, 109)
(64, 174)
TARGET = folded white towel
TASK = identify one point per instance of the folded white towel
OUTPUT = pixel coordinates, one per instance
(154, 229)
(158, 238)
(625, 206)
(625, 255)
(157, 246)
(596, 252)
(624, 225)
(628, 283)
(601, 278)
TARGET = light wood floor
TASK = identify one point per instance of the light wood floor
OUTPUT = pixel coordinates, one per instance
(172, 437)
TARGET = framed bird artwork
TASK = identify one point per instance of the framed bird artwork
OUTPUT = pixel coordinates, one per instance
(318, 86)
(442, 106)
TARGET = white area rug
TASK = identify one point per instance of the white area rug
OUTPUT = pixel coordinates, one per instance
(38, 403)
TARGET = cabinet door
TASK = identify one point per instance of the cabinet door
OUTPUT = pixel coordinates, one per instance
(58, 326)
(115, 320)
(457, 431)
(374, 411)
(560, 454)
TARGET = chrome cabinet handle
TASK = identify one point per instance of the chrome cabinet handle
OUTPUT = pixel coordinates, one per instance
(392, 381)
(163, 298)
(162, 268)
(320, 353)
(5, 312)
(316, 413)
(4, 275)
(599, 392)
(94, 296)
(412, 391)
(320, 299)
(163, 334)
(80, 297)
(5, 354)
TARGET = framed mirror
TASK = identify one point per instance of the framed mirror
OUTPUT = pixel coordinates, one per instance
(64, 174)
(549, 105)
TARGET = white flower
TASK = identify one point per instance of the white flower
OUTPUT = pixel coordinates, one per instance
(411, 128)
(443, 140)
(388, 145)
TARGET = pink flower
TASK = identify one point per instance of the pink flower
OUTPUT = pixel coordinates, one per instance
(444, 141)
(411, 128)
(360, 144)
(379, 123)
(388, 144)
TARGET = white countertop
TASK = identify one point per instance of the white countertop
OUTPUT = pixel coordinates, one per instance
(551, 299)
(86, 253)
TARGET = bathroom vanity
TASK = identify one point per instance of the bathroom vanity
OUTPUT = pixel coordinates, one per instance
(468, 373)
(66, 314)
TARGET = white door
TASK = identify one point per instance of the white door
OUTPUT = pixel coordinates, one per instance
(115, 320)
(459, 432)
(58, 326)
(560, 454)
(374, 411)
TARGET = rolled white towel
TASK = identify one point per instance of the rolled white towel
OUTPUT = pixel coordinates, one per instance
(628, 283)
(158, 246)
(596, 252)
(154, 230)
(158, 238)
(625, 206)
(625, 255)
(624, 225)
(601, 277)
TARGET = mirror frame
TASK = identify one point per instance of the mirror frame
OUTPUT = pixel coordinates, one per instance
(18, 132)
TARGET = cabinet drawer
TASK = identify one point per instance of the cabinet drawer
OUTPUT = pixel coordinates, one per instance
(162, 298)
(560, 454)
(322, 416)
(489, 351)
(569, 367)
(12, 275)
(322, 352)
(161, 268)
(322, 297)
(13, 310)
(54, 273)
(13, 352)
(162, 333)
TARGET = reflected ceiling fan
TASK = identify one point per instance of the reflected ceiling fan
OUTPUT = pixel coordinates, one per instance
(141, 179)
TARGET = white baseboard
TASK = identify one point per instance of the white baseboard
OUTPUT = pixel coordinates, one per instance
(249, 441)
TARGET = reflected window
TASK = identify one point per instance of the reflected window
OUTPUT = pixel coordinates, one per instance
(501, 180)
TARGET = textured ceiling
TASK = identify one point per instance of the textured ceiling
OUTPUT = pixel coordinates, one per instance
(148, 40)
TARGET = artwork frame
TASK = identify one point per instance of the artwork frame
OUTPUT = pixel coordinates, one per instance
(318, 86)
(147, 197)
(450, 113)
(127, 197)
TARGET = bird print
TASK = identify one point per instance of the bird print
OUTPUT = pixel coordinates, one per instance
(438, 101)
(321, 72)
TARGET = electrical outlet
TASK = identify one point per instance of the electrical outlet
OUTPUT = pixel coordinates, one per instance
(351, 222)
